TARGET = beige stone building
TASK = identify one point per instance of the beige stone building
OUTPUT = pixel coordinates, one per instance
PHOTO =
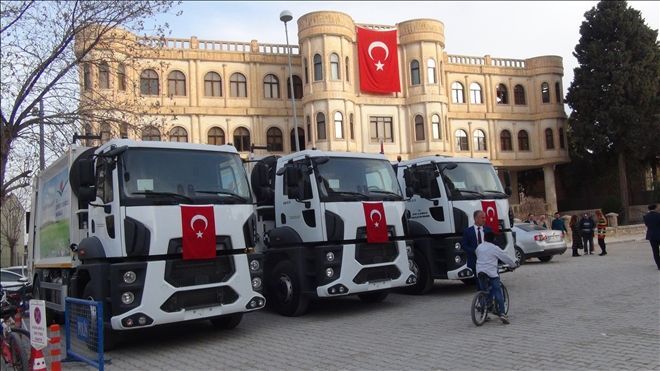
(508, 110)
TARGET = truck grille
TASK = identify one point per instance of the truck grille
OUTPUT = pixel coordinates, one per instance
(182, 273)
(202, 298)
(369, 253)
(374, 274)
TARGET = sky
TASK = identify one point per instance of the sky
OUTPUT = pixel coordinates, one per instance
(506, 29)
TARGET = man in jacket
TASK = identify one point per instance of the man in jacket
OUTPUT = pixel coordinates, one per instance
(558, 223)
(652, 221)
(586, 226)
(472, 237)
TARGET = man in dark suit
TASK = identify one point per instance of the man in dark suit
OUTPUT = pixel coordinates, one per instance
(652, 221)
(472, 237)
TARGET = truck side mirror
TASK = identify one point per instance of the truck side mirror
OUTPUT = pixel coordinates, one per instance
(410, 191)
(86, 194)
(86, 172)
(293, 175)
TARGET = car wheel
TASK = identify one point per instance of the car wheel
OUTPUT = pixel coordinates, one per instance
(545, 259)
(520, 255)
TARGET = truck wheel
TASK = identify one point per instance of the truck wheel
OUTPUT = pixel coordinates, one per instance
(227, 322)
(520, 255)
(110, 337)
(545, 259)
(422, 270)
(373, 297)
(285, 293)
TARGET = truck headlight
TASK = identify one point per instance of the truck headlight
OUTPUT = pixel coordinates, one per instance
(129, 277)
(254, 265)
(458, 259)
(330, 256)
(127, 298)
(256, 283)
(329, 272)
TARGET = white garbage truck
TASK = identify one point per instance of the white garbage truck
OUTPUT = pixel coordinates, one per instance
(159, 232)
(443, 194)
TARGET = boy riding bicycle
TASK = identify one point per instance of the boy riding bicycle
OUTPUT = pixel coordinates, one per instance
(488, 255)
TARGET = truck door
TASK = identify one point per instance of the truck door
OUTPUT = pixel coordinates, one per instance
(104, 213)
(300, 209)
(429, 205)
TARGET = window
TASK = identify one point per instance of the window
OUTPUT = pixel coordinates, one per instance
(339, 125)
(301, 139)
(306, 71)
(106, 132)
(212, 85)
(334, 66)
(178, 134)
(505, 140)
(238, 85)
(479, 140)
(176, 84)
(545, 92)
(151, 133)
(346, 66)
(519, 95)
(271, 87)
(414, 72)
(318, 68)
(549, 139)
(461, 141)
(149, 83)
(562, 144)
(121, 77)
(523, 140)
(216, 136)
(475, 93)
(457, 92)
(123, 131)
(381, 129)
(502, 94)
(104, 75)
(309, 129)
(558, 92)
(430, 71)
(320, 126)
(104, 168)
(435, 127)
(351, 126)
(87, 77)
(297, 88)
(419, 128)
(242, 139)
(274, 140)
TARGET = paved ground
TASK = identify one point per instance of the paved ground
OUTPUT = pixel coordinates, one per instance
(589, 312)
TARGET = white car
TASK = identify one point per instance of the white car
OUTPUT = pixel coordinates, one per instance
(11, 281)
(533, 241)
(18, 269)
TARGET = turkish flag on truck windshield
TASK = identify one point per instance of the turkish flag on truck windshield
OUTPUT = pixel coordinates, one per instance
(492, 220)
(379, 61)
(198, 232)
(374, 217)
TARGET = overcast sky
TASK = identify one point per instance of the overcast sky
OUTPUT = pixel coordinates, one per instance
(502, 29)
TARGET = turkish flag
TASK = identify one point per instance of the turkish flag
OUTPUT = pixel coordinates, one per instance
(379, 61)
(492, 220)
(198, 232)
(374, 217)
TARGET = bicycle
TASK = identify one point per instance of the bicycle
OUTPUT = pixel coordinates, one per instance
(14, 341)
(481, 306)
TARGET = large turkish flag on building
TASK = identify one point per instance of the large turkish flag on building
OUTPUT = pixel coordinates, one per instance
(492, 220)
(374, 217)
(198, 232)
(379, 61)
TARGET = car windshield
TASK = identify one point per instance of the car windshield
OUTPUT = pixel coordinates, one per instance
(530, 227)
(183, 176)
(472, 180)
(350, 179)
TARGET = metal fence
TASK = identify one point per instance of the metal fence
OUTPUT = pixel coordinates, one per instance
(84, 331)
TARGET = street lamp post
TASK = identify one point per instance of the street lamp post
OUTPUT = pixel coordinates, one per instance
(285, 17)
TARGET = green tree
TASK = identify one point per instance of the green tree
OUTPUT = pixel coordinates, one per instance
(615, 94)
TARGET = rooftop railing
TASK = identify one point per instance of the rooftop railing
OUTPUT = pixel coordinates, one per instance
(217, 45)
(486, 61)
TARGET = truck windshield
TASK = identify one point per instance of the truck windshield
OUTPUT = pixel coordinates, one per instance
(170, 176)
(351, 179)
(471, 180)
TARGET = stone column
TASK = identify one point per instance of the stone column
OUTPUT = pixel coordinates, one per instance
(550, 191)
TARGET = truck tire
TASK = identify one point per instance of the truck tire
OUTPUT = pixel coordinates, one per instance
(227, 322)
(422, 270)
(373, 297)
(520, 255)
(110, 337)
(284, 291)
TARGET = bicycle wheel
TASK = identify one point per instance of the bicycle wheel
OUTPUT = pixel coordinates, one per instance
(479, 308)
(19, 345)
(505, 295)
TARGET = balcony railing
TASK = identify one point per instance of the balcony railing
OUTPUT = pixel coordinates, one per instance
(486, 61)
(217, 45)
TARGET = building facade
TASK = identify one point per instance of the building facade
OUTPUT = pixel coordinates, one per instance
(508, 110)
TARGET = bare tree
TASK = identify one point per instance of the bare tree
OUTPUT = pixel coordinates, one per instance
(12, 216)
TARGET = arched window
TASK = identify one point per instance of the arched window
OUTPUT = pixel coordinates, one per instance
(475, 93)
(414, 72)
(461, 140)
(351, 126)
(151, 133)
(334, 66)
(562, 143)
(301, 139)
(435, 127)
(419, 128)
(346, 67)
(149, 83)
(104, 75)
(176, 84)
(212, 84)
(519, 95)
(430, 71)
(123, 131)
(457, 92)
(178, 134)
(306, 71)
(502, 94)
(549, 139)
(242, 139)
(545, 92)
(523, 140)
(320, 126)
(297, 88)
(216, 136)
(274, 141)
(479, 140)
(272, 87)
(121, 77)
(339, 125)
(318, 67)
(558, 92)
(87, 77)
(309, 129)
(505, 141)
(238, 85)
(106, 132)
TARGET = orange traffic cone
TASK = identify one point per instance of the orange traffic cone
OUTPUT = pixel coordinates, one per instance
(39, 362)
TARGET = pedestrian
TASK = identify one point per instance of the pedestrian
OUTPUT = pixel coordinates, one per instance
(652, 221)
(542, 222)
(488, 256)
(558, 223)
(601, 229)
(587, 225)
(575, 233)
(530, 219)
(472, 237)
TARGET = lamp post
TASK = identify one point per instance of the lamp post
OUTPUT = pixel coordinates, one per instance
(285, 17)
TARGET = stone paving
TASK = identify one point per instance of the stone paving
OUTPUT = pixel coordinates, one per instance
(589, 312)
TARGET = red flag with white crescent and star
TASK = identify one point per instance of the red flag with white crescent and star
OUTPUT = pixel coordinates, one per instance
(374, 217)
(492, 220)
(198, 232)
(379, 61)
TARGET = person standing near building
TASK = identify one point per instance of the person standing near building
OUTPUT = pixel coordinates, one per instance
(472, 237)
(558, 223)
(601, 229)
(586, 226)
(652, 221)
(575, 233)
(543, 223)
